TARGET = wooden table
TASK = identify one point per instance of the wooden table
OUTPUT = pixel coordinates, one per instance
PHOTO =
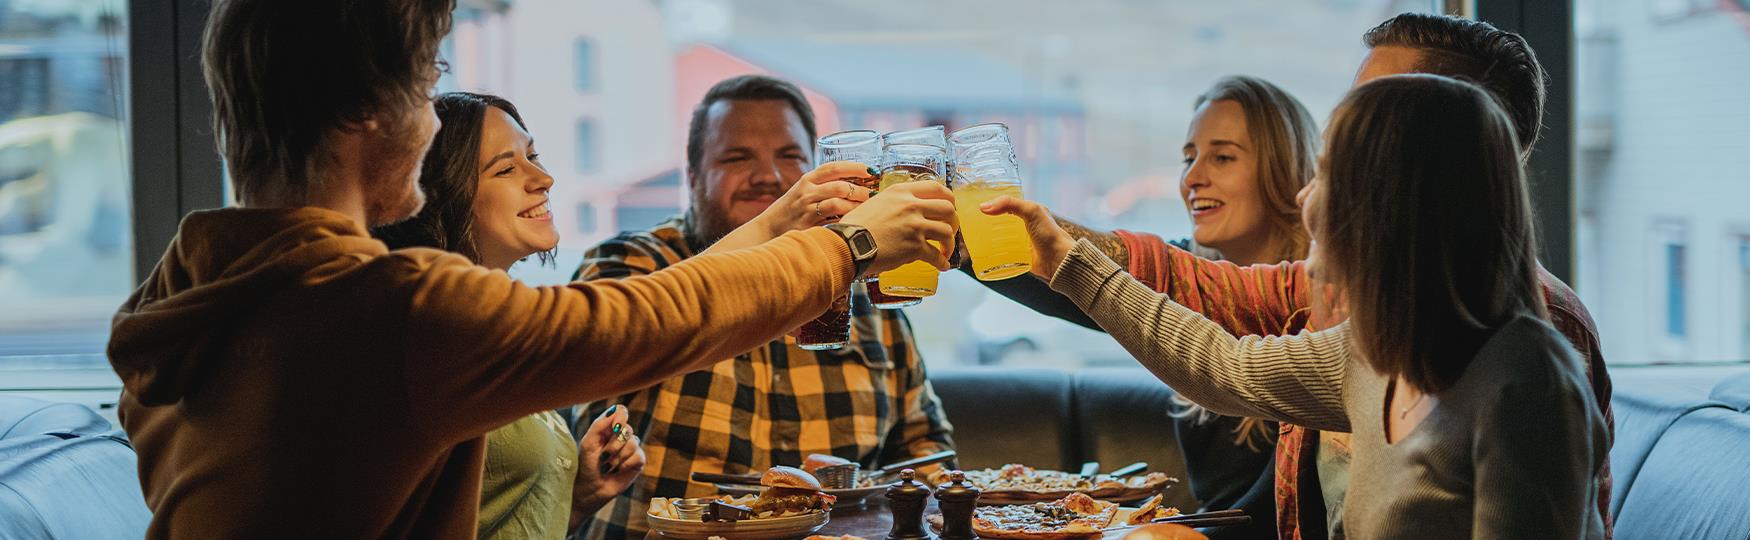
(872, 521)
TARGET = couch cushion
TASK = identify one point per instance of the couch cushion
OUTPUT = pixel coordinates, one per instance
(1643, 412)
(66, 473)
(1009, 416)
(1692, 483)
(1734, 392)
(1122, 416)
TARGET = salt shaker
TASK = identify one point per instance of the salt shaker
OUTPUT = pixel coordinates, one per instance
(907, 499)
(957, 499)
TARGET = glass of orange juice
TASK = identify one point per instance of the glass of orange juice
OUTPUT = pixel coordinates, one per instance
(911, 163)
(985, 168)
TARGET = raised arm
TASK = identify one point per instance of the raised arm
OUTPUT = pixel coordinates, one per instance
(1108, 242)
(486, 349)
(820, 197)
(1264, 299)
(1034, 293)
(1296, 379)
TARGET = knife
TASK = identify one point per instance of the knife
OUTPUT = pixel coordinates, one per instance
(1131, 469)
(738, 479)
(1089, 469)
(914, 463)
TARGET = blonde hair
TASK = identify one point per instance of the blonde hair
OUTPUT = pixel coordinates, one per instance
(1287, 146)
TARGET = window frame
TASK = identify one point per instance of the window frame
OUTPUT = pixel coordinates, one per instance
(176, 165)
(584, 64)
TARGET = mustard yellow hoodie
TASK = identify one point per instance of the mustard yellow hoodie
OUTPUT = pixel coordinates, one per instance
(288, 376)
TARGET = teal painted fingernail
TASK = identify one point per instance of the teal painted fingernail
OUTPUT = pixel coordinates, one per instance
(617, 427)
(873, 172)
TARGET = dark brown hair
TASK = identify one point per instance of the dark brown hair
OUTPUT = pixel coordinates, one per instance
(745, 87)
(1425, 224)
(450, 177)
(283, 74)
(1287, 142)
(1499, 61)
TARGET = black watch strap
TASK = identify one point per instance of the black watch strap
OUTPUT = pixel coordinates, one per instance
(861, 243)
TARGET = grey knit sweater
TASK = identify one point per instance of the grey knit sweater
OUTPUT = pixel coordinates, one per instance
(1509, 451)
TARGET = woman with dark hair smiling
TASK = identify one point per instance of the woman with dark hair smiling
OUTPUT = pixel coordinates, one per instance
(1470, 416)
(486, 198)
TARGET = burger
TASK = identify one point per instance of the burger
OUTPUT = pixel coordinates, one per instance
(815, 461)
(789, 490)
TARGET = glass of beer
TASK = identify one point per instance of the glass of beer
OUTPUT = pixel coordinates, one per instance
(911, 163)
(832, 329)
(933, 135)
(862, 146)
(985, 168)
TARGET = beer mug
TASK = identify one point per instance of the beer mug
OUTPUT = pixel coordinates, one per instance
(911, 163)
(985, 168)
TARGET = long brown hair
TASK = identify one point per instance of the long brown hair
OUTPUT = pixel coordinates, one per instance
(1425, 225)
(449, 177)
(1287, 143)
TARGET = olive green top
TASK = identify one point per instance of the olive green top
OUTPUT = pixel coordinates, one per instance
(526, 489)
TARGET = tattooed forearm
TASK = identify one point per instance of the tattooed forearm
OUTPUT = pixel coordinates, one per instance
(1108, 243)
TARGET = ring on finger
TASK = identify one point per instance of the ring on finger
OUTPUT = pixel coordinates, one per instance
(817, 210)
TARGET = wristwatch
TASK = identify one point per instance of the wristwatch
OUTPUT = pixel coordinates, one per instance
(862, 244)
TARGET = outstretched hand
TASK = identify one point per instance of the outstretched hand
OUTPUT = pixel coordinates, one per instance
(913, 221)
(1050, 242)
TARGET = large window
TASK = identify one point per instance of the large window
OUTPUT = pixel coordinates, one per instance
(65, 223)
(1662, 128)
(1099, 94)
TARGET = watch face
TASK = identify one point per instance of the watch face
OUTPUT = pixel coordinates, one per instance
(864, 243)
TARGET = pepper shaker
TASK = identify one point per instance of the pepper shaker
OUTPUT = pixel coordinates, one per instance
(958, 499)
(907, 499)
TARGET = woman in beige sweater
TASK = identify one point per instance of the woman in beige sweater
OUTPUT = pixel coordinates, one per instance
(1471, 418)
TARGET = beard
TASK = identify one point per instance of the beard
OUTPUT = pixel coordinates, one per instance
(396, 196)
(708, 222)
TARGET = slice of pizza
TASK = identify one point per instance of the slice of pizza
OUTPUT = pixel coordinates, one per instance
(1151, 510)
(1015, 483)
(1074, 517)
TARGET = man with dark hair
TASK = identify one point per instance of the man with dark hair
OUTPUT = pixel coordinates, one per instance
(1499, 61)
(870, 402)
(286, 375)
(1312, 467)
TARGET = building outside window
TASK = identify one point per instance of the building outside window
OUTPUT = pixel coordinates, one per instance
(1660, 135)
